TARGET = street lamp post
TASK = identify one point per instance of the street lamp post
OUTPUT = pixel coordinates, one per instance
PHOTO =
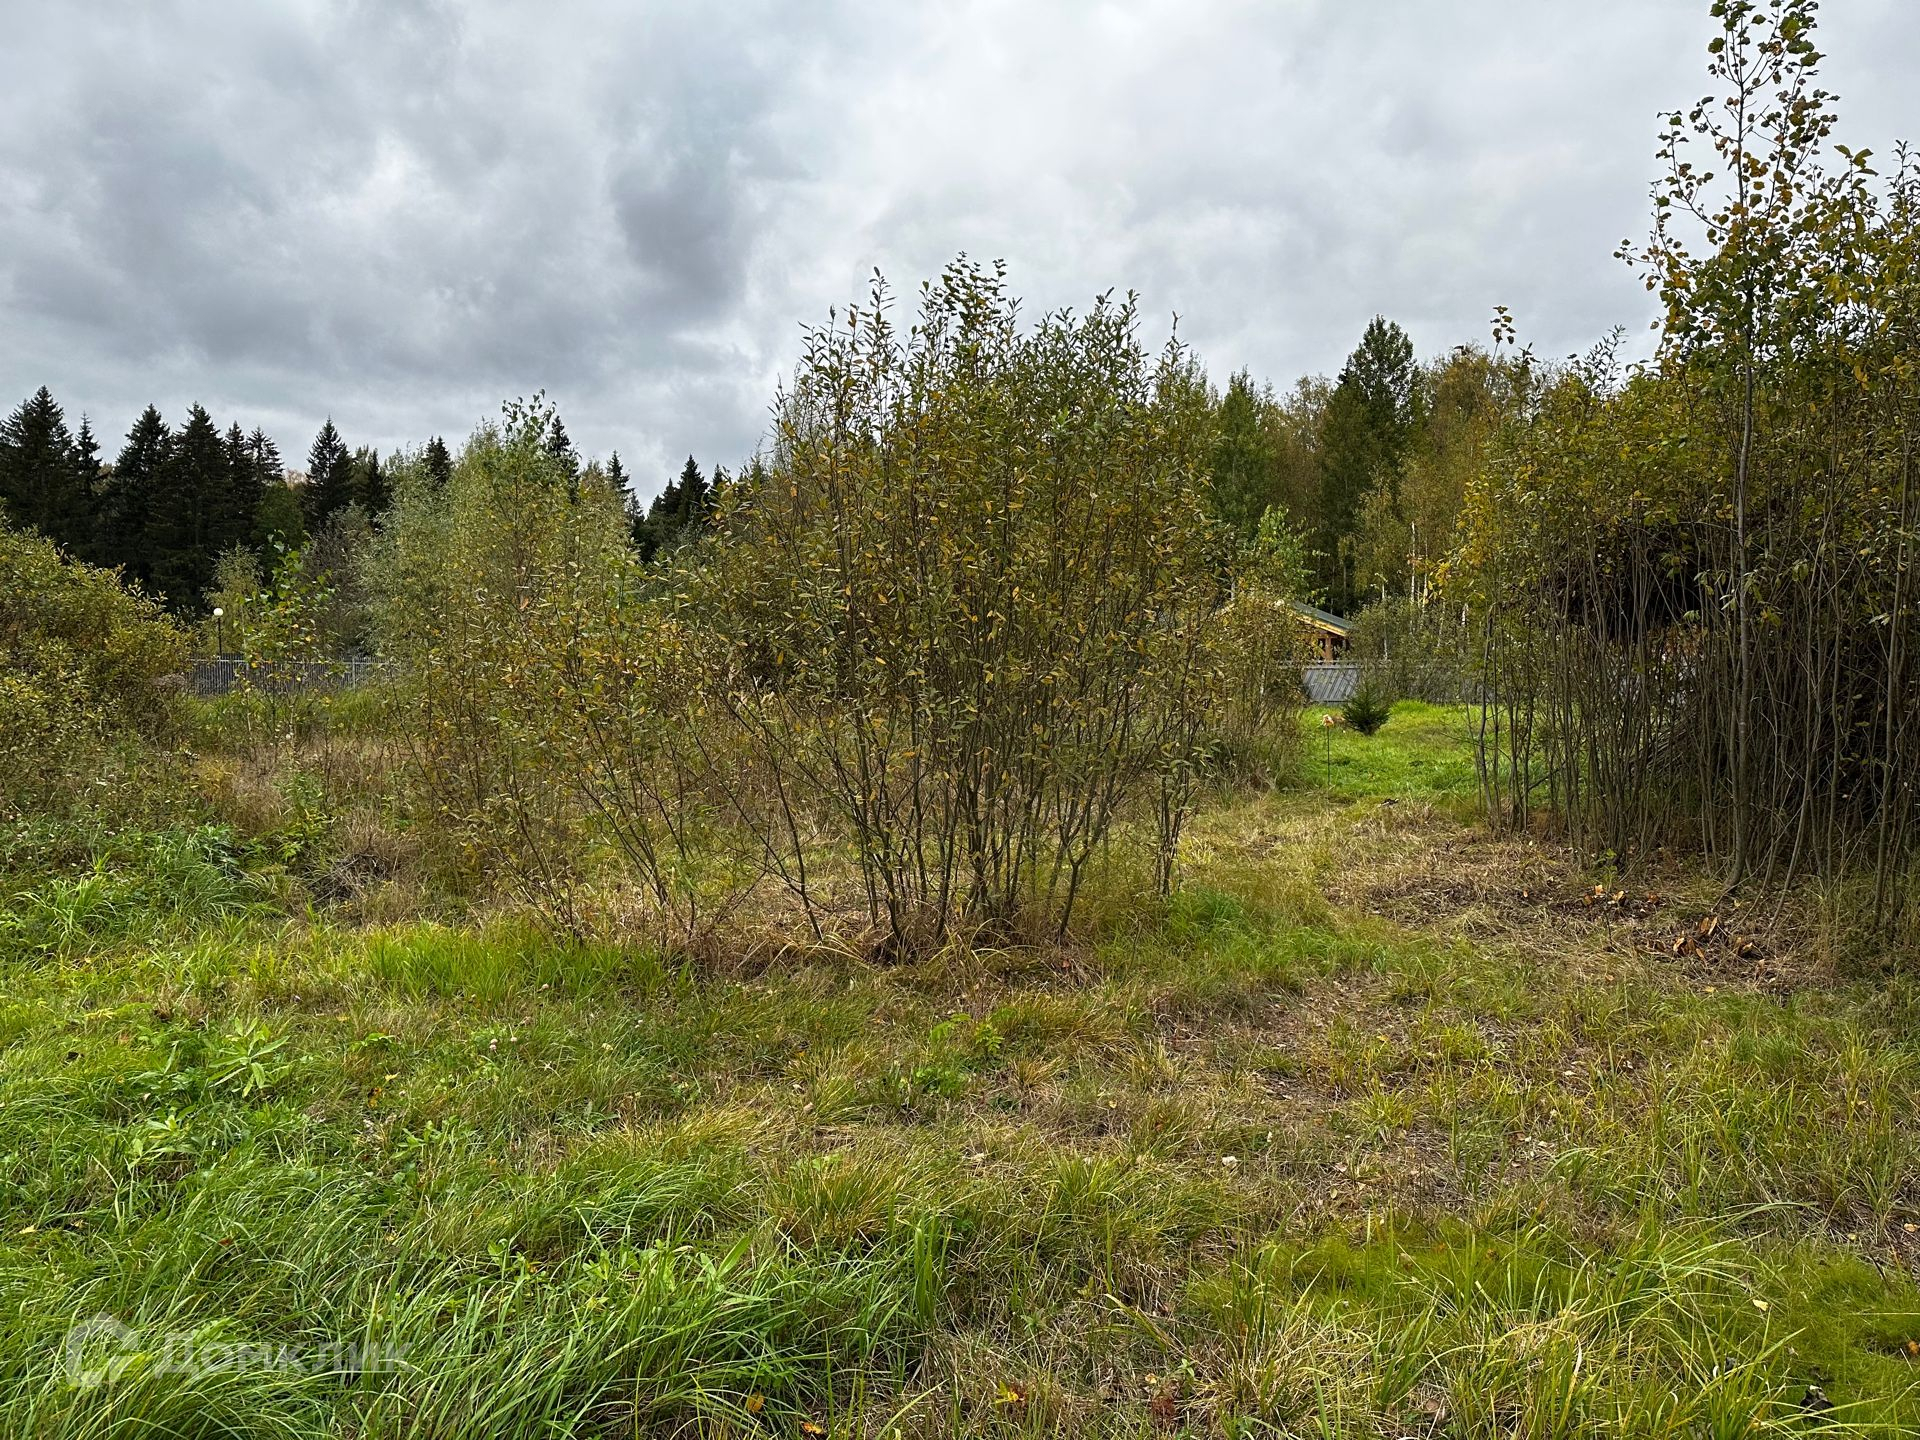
(219, 631)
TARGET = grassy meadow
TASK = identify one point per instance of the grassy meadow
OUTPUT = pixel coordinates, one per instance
(1381, 1126)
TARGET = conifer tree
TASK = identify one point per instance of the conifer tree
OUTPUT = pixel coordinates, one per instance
(244, 481)
(666, 505)
(683, 507)
(560, 447)
(267, 465)
(439, 463)
(42, 484)
(1369, 424)
(372, 491)
(271, 490)
(191, 518)
(276, 509)
(86, 465)
(695, 496)
(131, 497)
(329, 478)
(656, 527)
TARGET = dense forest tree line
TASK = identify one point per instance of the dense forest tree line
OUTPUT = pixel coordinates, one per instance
(1368, 468)
(175, 500)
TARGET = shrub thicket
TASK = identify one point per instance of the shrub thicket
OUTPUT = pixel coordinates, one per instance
(968, 608)
(488, 583)
(82, 662)
(1693, 582)
(1413, 648)
(967, 621)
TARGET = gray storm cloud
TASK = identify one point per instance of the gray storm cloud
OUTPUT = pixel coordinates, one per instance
(401, 214)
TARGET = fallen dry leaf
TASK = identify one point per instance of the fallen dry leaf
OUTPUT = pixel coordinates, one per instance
(1165, 1408)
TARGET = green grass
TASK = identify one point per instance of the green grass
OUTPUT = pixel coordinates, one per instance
(1423, 752)
(1259, 1164)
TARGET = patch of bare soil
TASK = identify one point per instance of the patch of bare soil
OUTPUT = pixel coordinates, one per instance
(1441, 877)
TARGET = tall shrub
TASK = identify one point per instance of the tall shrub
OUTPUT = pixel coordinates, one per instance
(481, 583)
(82, 666)
(964, 612)
(1693, 582)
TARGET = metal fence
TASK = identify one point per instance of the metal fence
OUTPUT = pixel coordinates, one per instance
(1327, 683)
(230, 672)
(1333, 682)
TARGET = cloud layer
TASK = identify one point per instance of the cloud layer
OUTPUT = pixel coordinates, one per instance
(399, 214)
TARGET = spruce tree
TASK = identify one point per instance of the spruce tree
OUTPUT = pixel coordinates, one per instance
(277, 520)
(560, 447)
(676, 512)
(1369, 424)
(42, 484)
(372, 491)
(270, 481)
(245, 487)
(695, 497)
(329, 485)
(268, 468)
(666, 505)
(131, 496)
(89, 480)
(618, 482)
(439, 464)
(193, 512)
(661, 521)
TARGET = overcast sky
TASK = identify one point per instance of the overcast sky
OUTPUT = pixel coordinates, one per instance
(400, 214)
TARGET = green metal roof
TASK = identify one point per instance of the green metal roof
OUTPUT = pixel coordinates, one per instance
(1324, 618)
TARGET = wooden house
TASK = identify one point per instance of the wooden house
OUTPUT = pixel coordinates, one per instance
(1331, 633)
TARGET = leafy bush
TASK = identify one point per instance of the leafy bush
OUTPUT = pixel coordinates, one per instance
(1366, 709)
(967, 610)
(1251, 726)
(542, 683)
(1692, 582)
(281, 627)
(81, 665)
(968, 620)
(1414, 648)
